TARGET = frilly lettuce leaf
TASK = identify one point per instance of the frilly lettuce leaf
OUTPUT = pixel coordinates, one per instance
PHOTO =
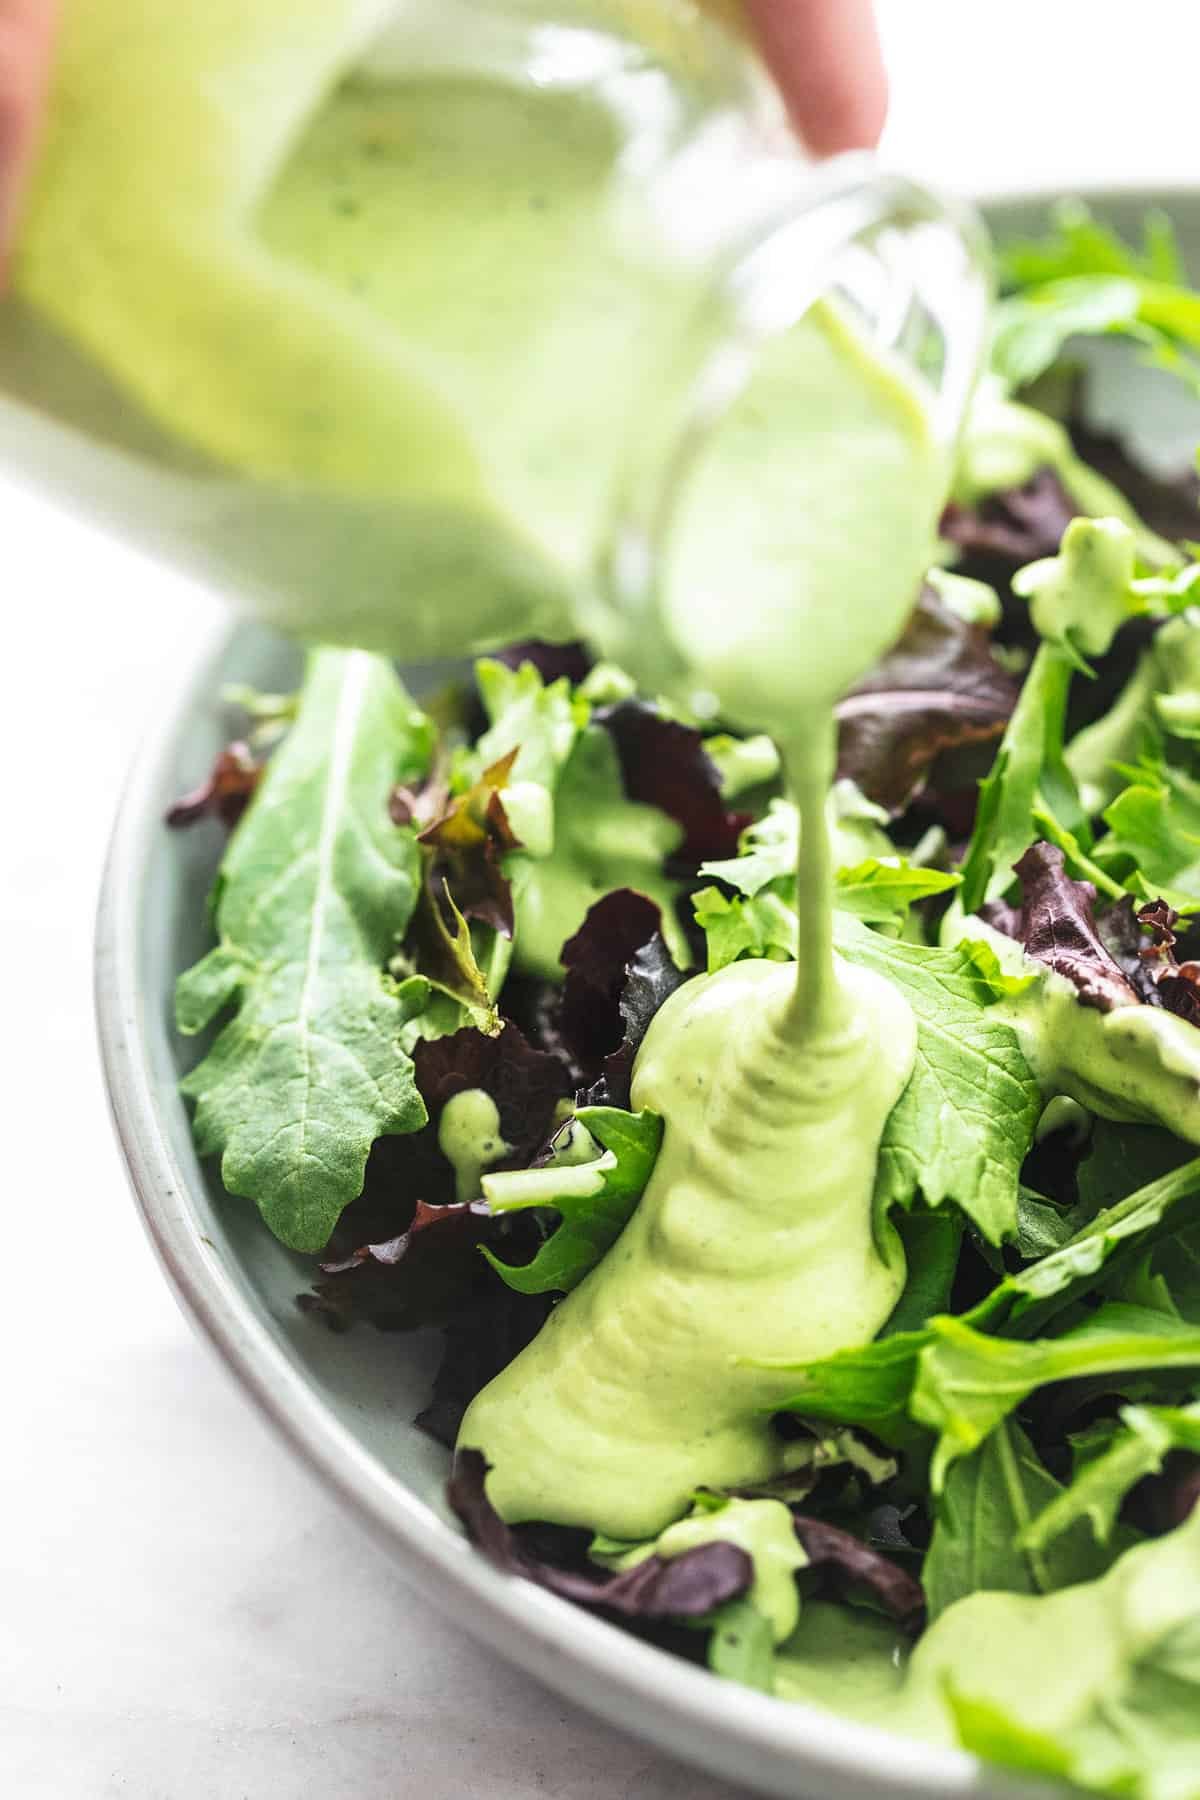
(599, 1165)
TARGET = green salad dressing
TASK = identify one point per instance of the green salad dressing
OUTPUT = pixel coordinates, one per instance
(469, 1138)
(753, 1242)
(764, 1530)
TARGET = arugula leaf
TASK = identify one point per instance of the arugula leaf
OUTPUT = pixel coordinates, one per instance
(984, 1511)
(869, 1387)
(964, 1124)
(1098, 1684)
(967, 1382)
(1064, 1271)
(315, 889)
(874, 1386)
(595, 1194)
(1100, 1487)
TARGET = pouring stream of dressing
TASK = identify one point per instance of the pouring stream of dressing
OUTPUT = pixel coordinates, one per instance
(754, 1241)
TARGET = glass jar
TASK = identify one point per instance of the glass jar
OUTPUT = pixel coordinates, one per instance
(410, 322)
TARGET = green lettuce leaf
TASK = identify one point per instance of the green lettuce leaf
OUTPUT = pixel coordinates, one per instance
(984, 1512)
(1029, 759)
(764, 925)
(601, 841)
(967, 1382)
(604, 1159)
(964, 1124)
(1098, 1684)
(1154, 825)
(881, 892)
(1082, 279)
(314, 892)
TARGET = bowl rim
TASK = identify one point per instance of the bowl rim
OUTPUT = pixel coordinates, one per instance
(743, 1735)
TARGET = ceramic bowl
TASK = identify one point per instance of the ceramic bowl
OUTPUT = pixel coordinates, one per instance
(344, 1403)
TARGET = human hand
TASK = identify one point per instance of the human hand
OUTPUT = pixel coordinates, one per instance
(26, 30)
(825, 56)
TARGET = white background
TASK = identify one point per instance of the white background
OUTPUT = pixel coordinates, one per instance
(182, 1615)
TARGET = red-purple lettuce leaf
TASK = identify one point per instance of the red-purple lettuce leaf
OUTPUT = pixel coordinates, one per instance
(1011, 527)
(618, 973)
(664, 764)
(1056, 923)
(552, 661)
(854, 1564)
(482, 1338)
(1169, 504)
(465, 844)
(225, 792)
(407, 1251)
(682, 1587)
(1124, 957)
(939, 689)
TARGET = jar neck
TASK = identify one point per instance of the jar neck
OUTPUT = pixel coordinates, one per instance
(912, 271)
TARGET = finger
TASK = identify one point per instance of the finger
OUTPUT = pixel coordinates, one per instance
(826, 58)
(26, 32)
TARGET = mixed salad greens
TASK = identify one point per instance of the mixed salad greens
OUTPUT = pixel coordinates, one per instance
(443, 933)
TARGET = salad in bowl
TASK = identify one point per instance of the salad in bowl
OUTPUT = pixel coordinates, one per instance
(862, 1363)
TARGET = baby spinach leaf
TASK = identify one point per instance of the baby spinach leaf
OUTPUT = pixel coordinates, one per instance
(990, 1499)
(315, 889)
(601, 1162)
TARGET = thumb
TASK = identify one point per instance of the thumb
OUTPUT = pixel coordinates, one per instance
(26, 31)
(825, 56)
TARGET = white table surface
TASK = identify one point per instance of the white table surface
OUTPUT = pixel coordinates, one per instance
(183, 1616)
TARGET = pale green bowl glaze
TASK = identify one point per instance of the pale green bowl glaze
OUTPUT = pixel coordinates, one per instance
(344, 1403)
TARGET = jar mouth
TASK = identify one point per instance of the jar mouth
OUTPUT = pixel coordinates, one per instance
(912, 268)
